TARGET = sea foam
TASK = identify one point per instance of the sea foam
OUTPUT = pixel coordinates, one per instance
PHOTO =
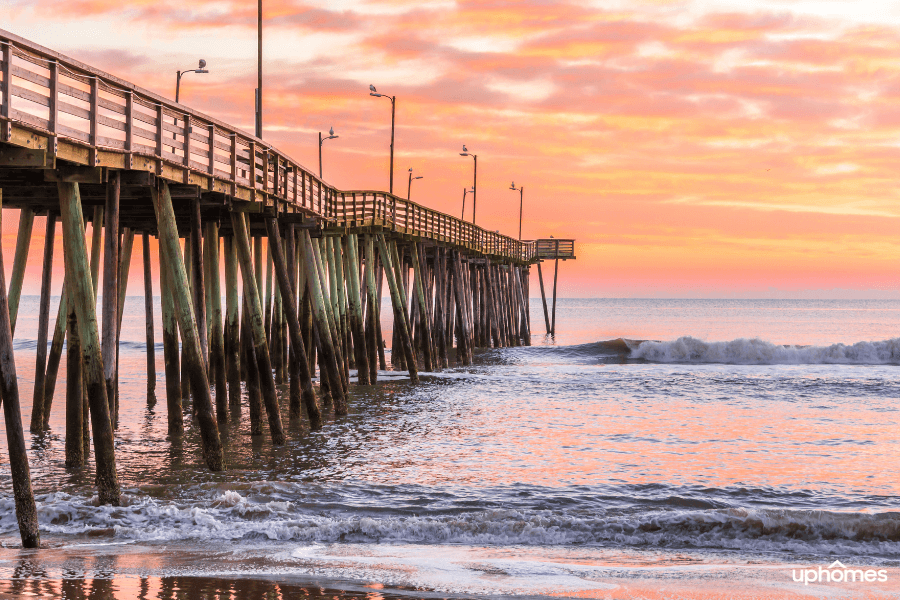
(759, 352)
(230, 515)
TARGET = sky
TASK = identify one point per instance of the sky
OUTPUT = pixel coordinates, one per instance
(692, 148)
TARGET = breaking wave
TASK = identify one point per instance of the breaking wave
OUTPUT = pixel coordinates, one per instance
(230, 515)
(760, 352)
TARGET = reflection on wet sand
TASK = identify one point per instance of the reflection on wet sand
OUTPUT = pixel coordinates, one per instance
(178, 588)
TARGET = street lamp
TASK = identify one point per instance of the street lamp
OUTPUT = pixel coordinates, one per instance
(409, 186)
(374, 92)
(331, 136)
(462, 216)
(201, 69)
(521, 191)
(465, 152)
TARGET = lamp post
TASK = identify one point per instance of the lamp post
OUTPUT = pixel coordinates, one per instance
(466, 152)
(521, 191)
(259, 61)
(374, 92)
(409, 186)
(462, 216)
(331, 136)
(200, 69)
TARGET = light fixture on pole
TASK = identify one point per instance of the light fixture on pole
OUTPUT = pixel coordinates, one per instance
(409, 186)
(521, 191)
(200, 69)
(331, 136)
(465, 191)
(374, 92)
(466, 152)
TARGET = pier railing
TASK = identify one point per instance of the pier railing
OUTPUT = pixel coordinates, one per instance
(90, 117)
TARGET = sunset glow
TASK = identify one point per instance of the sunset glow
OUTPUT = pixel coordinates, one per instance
(691, 148)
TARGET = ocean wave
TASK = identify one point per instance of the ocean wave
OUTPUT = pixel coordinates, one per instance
(230, 515)
(760, 352)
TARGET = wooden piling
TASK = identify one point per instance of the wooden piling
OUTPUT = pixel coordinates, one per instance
(337, 269)
(330, 321)
(257, 329)
(254, 395)
(189, 269)
(400, 314)
(199, 292)
(295, 401)
(75, 455)
(524, 334)
(439, 292)
(110, 295)
(425, 331)
(232, 327)
(184, 312)
(371, 311)
(462, 336)
(125, 251)
(217, 339)
(289, 304)
(267, 299)
(543, 297)
(379, 280)
(555, 275)
(275, 334)
(82, 296)
(55, 354)
(170, 348)
(40, 367)
(148, 317)
(26, 509)
(23, 243)
(355, 316)
(321, 329)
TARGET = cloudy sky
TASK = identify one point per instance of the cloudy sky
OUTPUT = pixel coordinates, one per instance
(693, 149)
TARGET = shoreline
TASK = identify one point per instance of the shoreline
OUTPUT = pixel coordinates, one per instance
(256, 570)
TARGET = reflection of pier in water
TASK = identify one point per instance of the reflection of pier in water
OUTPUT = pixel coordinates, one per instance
(78, 144)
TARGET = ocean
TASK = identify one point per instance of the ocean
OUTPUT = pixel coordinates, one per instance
(653, 449)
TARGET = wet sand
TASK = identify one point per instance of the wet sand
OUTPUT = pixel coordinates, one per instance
(168, 572)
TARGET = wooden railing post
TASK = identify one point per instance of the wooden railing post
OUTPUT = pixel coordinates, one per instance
(53, 142)
(233, 163)
(7, 91)
(252, 171)
(129, 130)
(187, 148)
(95, 102)
(159, 138)
(212, 154)
(303, 191)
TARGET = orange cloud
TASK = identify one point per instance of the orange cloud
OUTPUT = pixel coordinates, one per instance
(736, 150)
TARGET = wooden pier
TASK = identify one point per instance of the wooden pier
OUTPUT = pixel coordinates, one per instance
(78, 145)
